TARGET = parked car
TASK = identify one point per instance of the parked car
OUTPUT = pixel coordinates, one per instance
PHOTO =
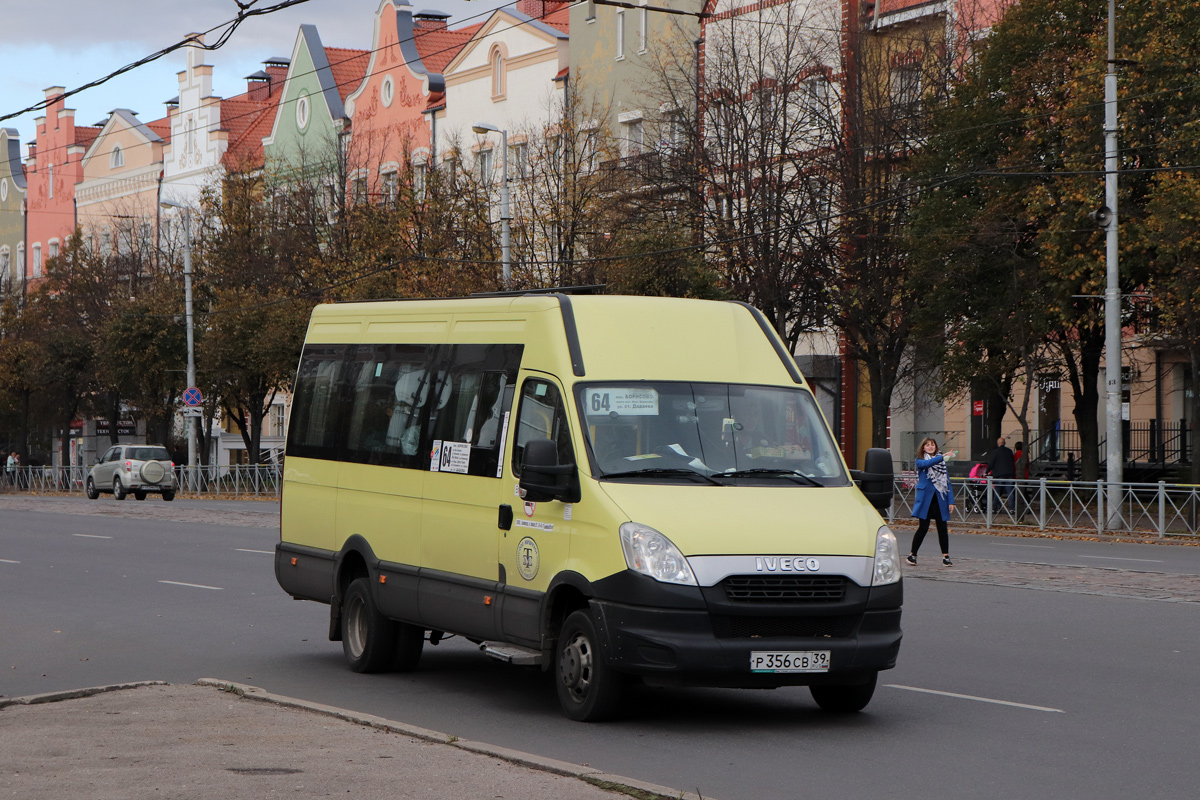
(133, 469)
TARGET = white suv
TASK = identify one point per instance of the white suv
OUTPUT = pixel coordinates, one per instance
(133, 469)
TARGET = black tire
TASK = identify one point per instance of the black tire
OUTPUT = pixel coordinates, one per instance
(410, 641)
(589, 690)
(118, 489)
(138, 494)
(92, 491)
(368, 637)
(168, 494)
(845, 699)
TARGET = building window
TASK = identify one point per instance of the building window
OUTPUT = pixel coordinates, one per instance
(37, 261)
(106, 243)
(4, 265)
(498, 82)
(190, 145)
(620, 34)
(420, 174)
(52, 250)
(116, 158)
(486, 166)
(387, 91)
(302, 111)
(389, 184)
(21, 259)
(904, 87)
(518, 160)
(3, 189)
(358, 189)
(633, 138)
(276, 422)
(641, 33)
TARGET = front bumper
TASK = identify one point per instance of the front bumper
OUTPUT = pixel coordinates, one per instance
(709, 644)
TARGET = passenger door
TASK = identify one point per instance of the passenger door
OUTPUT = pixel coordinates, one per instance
(103, 473)
(538, 545)
(468, 415)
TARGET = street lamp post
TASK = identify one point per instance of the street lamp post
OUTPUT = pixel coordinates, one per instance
(505, 216)
(193, 460)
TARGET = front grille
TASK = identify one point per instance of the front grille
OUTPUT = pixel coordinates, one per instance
(784, 588)
(730, 627)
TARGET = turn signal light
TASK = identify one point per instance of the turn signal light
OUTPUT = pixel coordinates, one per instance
(295, 561)
(383, 578)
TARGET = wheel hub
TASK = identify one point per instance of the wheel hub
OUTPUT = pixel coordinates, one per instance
(575, 666)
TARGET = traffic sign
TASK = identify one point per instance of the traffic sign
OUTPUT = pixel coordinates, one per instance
(192, 396)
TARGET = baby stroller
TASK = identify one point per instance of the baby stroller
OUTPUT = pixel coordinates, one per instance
(975, 489)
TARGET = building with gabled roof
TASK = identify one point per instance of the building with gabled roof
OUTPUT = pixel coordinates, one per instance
(311, 116)
(211, 135)
(52, 169)
(12, 213)
(117, 199)
(403, 77)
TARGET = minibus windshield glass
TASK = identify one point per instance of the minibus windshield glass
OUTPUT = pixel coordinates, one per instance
(716, 430)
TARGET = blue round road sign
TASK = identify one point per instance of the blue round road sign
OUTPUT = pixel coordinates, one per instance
(192, 396)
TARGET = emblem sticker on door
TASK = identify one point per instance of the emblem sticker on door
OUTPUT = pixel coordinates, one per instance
(528, 560)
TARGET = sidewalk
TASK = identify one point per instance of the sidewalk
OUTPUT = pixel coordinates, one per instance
(220, 740)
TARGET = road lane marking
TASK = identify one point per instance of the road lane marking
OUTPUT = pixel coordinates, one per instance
(979, 699)
(1038, 546)
(6, 561)
(264, 552)
(193, 585)
(1114, 558)
(90, 536)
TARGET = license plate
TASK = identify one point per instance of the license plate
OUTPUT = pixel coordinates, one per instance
(789, 661)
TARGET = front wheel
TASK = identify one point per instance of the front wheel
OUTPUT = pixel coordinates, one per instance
(118, 489)
(92, 491)
(589, 690)
(845, 699)
(368, 637)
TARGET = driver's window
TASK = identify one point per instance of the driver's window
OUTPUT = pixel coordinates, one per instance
(542, 415)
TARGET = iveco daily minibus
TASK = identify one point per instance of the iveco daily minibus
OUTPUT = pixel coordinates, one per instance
(617, 489)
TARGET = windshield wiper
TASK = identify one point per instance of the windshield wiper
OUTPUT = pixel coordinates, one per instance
(663, 471)
(799, 477)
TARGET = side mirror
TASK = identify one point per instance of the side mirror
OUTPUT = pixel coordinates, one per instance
(543, 478)
(877, 480)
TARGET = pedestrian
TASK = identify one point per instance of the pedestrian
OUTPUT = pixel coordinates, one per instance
(934, 498)
(1002, 467)
(1018, 452)
(11, 467)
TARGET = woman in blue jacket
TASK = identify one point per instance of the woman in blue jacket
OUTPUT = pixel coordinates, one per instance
(934, 499)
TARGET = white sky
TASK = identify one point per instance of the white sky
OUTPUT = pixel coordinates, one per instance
(72, 42)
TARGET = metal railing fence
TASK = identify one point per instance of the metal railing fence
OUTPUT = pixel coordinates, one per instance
(1155, 509)
(243, 480)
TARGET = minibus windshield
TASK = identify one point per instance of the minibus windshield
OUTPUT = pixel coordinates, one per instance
(654, 429)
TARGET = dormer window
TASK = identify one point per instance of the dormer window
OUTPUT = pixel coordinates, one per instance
(116, 158)
(387, 91)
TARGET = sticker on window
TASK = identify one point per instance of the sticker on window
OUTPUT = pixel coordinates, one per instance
(623, 402)
(456, 457)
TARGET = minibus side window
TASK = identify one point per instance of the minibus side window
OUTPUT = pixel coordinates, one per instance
(314, 427)
(542, 416)
(387, 387)
(473, 395)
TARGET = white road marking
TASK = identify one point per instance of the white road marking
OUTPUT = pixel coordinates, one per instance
(1114, 558)
(264, 552)
(980, 699)
(90, 536)
(193, 585)
(6, 561)
(1038, 546)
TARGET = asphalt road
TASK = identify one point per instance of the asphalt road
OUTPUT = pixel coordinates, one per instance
(1000, 692)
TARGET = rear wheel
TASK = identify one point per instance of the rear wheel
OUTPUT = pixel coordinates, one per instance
(369, 638)
(118, 489)
(138, 494)
(168, 494)
(588, 689)
(92, 491)
(845, 699)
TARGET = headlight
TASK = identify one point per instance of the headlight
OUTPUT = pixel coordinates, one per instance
(649, 552)
(887, 558)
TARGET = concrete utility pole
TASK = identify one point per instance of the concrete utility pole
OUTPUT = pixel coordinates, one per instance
(192, 420)
(1112, 293)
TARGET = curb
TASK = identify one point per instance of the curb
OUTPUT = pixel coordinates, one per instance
(74, 694)
(645, 791)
